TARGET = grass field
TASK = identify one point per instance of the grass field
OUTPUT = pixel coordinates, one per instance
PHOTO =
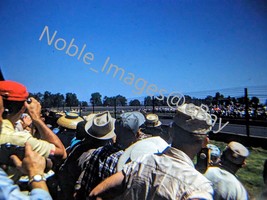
(251, 174)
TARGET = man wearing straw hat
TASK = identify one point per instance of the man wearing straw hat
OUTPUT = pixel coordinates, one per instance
(99, 129)
(170, 175)
(102, 163)
(67, 127)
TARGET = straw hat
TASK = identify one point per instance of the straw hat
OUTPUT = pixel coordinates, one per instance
(69, 120)
(152, 120)
(149, 145)
(100, 126)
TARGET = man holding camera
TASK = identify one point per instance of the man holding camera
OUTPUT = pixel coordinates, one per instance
(33, 165)
(14, 97)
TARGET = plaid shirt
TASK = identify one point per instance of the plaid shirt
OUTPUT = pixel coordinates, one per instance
(101, 164)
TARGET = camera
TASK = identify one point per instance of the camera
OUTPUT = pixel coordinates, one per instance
(203, 160)
(7, 149)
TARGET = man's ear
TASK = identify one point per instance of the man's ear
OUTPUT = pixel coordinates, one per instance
(205, 142)
(244, 164)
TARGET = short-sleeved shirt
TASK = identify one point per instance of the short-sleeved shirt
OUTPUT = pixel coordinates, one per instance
(170, 175)
(9, 135)
(225, 184)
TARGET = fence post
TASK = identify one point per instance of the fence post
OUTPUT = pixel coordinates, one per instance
(115, 108)
(246, 112)
(153, 104)
(92, 101)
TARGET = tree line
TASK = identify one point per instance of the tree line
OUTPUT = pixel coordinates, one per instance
(49, 100)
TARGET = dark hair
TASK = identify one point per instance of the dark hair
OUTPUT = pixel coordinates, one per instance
(11, 107)
(80, 130)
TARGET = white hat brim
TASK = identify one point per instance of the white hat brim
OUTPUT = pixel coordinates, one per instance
(89, 123)
(149, 145)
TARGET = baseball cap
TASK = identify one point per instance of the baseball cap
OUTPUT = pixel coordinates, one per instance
(133, 120)
(193, 119)
(13, 91)
(236, 152)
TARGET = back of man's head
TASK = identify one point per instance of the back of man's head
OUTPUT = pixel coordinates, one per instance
(190, 127)
(127, 126)
(14, 95)
(234, 155)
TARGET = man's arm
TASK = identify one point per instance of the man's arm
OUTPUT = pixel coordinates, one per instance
(34, 109)
(114, 181)
(32, 164)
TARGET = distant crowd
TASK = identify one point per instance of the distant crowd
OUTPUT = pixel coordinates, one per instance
(64, 155)
(234, 111)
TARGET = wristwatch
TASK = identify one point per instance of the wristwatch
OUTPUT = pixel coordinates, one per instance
(37, 178)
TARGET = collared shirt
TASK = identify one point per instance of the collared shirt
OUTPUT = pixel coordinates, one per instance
(225, 184)
(170, 175)
(10, 191)
(74, 164)
(9, 135)
(101, 164)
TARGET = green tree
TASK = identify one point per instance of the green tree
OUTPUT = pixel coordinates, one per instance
(208, 100)
(57, 99)
(218, 97)
(121, 100)
(108, 101)
(148, 101)
(47, 99)
(96, 99)
(255, 101)
(134, 102)
(71, 100)
(84, 104)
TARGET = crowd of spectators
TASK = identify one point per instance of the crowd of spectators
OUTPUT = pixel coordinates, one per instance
(233, 111)
(133, 156)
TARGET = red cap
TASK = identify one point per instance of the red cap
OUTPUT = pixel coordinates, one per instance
(13, 91)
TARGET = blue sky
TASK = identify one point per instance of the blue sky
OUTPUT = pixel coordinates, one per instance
(162, 46)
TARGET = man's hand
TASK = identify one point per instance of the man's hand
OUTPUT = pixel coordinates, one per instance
(26, 121)
(34, 109)
(32, 164)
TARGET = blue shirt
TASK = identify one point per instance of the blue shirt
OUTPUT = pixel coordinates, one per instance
(10, 191)
(226, 186)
